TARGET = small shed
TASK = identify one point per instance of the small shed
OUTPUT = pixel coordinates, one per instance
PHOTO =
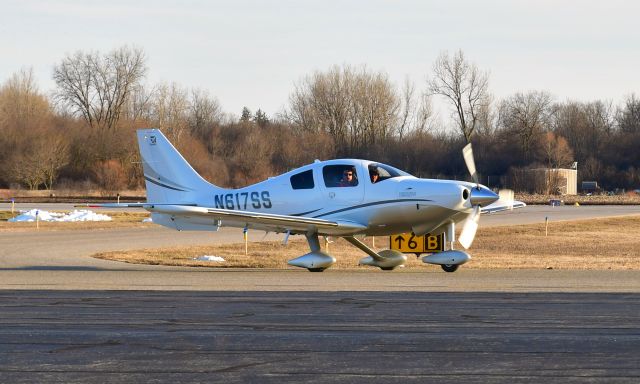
(550, 181)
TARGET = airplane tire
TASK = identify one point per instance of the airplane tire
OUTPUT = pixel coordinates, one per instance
(450, 267)
(316, 269)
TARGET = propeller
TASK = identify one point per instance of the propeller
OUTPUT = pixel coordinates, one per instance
(507, 196)
(467, 153)
(479, 196)
(469, 229)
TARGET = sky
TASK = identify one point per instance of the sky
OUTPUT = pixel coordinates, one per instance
(252, 53)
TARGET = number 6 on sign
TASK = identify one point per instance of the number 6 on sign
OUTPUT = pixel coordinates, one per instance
(410, 243)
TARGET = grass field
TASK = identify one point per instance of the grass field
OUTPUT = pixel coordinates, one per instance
(610, 243)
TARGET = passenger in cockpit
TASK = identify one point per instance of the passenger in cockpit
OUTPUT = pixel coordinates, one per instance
(375, 176)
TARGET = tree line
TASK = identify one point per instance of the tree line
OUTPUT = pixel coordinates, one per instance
(81, 136)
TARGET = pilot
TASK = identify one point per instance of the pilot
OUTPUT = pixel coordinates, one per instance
(375, 176)
(348, 178)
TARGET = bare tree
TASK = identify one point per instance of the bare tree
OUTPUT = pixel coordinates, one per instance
(138, 106)
(555, 151)
(97, 87)
(557, 154)
(527, 115)
(55, 153)
(374, 109)
(601, 118)
(586, 126)
(26, 168)
(356, 107)
(416, 112)
(110, 176)
(205, 111)
(488, 118)
(408, 91)
(249, 161)
(23, 108)
(24, 115)
(21, 103)
(424, 116)
(170, 110)
(38, 160)
(629, 115)
(464, 85)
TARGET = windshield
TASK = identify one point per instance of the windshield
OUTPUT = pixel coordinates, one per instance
(380, 172)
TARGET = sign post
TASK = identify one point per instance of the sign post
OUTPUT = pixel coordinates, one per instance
(245, 232)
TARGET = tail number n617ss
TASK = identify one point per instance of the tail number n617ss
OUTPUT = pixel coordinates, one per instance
(243, 200)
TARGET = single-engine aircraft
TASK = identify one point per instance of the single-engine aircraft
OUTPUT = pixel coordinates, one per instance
(345, 198)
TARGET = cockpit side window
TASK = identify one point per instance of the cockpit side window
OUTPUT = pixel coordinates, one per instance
(381, 172)
(342, 175)
(302, 180)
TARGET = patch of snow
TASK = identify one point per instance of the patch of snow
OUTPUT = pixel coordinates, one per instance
(147, 220)
(84, 215)
(209, 258)
(76, 215)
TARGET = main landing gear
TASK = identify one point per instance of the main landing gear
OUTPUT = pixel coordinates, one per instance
(318, 261)
(450, 267)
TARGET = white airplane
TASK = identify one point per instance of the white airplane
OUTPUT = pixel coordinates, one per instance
(344, 198)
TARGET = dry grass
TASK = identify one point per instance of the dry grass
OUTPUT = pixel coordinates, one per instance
(612, 243)
(608, 243)
(120, 220)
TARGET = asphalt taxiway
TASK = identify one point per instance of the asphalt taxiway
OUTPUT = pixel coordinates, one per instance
(318, 337)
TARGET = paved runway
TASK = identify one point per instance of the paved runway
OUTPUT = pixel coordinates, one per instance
(318, 337)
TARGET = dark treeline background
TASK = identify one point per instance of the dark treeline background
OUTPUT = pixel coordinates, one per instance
(82, 135)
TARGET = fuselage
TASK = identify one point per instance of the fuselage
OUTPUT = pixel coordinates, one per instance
(382, 198)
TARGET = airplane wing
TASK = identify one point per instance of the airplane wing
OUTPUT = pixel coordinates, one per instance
(500, 206)
(280, 223)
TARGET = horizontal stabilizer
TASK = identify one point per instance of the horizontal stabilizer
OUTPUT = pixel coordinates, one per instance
(111, 205)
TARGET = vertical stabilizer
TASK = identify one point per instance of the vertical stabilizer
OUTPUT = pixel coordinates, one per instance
(168, 176)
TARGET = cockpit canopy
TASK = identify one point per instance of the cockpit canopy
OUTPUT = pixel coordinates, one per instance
(344, 173)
